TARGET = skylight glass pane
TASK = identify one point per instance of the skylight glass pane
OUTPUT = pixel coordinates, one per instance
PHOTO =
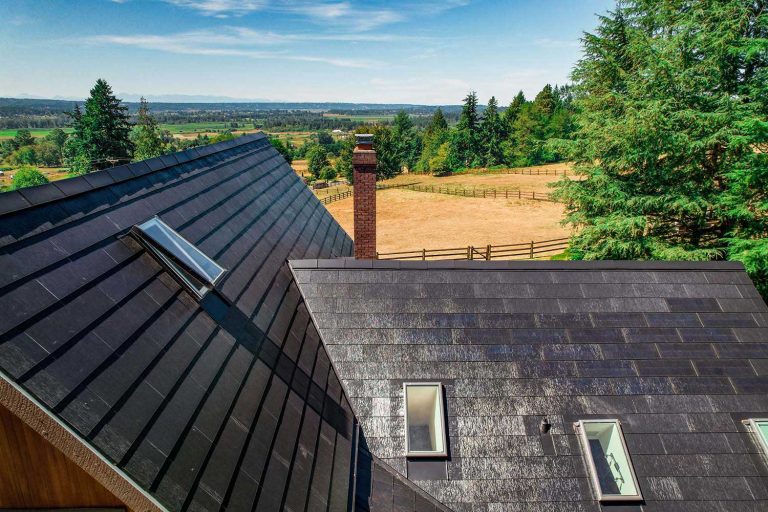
(762, 428)
(759, 427)
(425, 424)
(609, 462)
(172, 242)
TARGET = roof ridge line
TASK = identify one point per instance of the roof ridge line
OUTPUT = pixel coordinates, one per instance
(518, 265)
(21, 199)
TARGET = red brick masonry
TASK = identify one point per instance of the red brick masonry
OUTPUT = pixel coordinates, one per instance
(364, 163)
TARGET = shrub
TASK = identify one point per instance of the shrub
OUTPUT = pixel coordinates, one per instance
(28, 177)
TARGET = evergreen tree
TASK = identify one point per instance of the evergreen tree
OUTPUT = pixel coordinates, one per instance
(492, 133)
(146, 136)
(545, 102)
(23, 138)
(387, 157)
(510, 115)
(408, 144)
(464, 140)
(437, 123)
(101, 133)
(672, 135)
(435, 136)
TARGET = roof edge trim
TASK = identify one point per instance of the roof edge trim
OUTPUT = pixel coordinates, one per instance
(592, 265)
(74, 447)
(21, 199)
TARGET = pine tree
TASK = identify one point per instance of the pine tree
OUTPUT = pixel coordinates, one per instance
(464, 140)
(510, 115)
(101, 133)
(408, 144)
(387, 157)
(146, 136)
(435, 135)
(545, 102)
(492, 134)
(437, 123)
(673, 136)
(23, 138)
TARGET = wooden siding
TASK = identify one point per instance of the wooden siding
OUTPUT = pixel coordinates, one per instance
(34, 474)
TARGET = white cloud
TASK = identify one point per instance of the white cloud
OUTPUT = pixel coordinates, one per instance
(220, 8)
(546, 42)
(338, 13)
(227, 42)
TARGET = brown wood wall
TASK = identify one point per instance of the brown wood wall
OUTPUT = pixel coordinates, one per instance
(34, 474)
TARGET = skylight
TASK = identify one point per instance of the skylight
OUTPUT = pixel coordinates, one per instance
(424, 420)
(759, 428)
(608, 460)
(195, 268)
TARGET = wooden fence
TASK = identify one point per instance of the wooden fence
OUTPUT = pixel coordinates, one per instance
(522, 251)
(350, 192)
(491, 193)
(523, 171)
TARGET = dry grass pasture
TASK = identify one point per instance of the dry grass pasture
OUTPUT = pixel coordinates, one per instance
(408, 220)
(52, 173)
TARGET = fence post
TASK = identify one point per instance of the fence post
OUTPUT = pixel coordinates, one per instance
(423, 254)
(519, 194)
(469, 252)
(534, 194)
(531, 249)
(488, 253)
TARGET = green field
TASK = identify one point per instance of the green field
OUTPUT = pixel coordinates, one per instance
(363, 118)
(173, 128)
(203, 127)
(36, 132)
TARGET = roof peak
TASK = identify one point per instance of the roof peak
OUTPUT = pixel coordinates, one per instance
(21, 199)
(514, 265)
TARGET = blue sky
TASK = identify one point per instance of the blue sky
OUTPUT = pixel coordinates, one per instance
(401, 51)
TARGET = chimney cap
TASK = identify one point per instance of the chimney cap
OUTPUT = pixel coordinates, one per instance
(364, 139)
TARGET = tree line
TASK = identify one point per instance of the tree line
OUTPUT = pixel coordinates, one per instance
(525, 133)
(103, 136)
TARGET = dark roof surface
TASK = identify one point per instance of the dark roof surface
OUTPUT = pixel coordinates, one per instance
(226, 403)
(677, 351)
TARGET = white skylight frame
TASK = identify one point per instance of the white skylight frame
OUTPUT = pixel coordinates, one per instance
(439, 427)
(193, 267)
(581, 431)
(753, 426)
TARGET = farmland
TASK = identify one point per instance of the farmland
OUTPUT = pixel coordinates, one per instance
(408, 220)
(184, 130)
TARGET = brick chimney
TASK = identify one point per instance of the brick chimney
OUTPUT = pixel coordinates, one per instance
(364, 164)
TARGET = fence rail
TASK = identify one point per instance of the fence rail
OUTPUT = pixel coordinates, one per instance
(350, 192)
(523, 171)
(523, 251)
(491, 193)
